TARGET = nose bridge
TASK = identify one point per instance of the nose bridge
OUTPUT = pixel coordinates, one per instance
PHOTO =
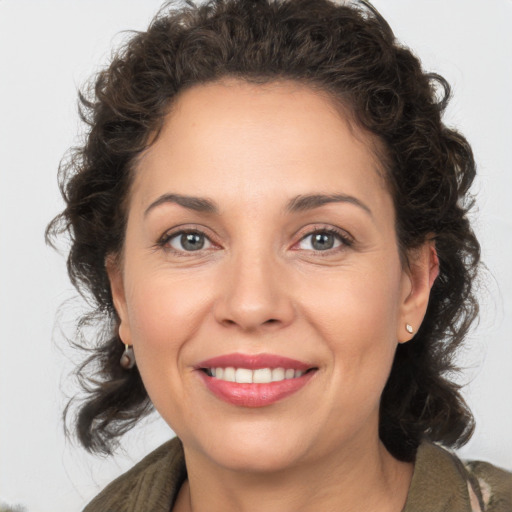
(253, 294)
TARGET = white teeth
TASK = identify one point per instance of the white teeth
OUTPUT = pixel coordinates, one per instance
(229, 374)
(243, 376)
(277, 374)
(289, 373)
(259, 376)
(262, 376)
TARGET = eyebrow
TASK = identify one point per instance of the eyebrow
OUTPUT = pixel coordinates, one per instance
(198, 204)
(297, 204)
(309, 202)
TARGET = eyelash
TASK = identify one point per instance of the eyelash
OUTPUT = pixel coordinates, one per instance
(342, 236)
(164, 240)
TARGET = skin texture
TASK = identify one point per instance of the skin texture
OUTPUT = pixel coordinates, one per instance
(258, 285)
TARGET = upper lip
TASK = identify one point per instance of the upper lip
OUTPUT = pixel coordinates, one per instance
(253, 362)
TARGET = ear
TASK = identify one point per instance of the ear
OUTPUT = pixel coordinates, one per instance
(418, 278)
(115, 276)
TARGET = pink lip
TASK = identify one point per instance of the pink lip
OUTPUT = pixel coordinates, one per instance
(254, 361)
(254, 395)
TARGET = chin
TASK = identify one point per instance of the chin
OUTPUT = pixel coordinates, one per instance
(256, 457)
(254, 448)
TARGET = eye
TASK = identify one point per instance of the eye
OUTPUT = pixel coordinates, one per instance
(187, 241)
(323, 240)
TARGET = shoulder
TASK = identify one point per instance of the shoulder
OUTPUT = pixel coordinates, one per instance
(153, 482)
(494, 484)
(441, 481)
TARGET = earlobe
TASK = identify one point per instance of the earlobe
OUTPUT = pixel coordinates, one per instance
(421, 274)
(115, 277)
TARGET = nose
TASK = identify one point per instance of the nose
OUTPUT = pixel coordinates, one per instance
(254, 294)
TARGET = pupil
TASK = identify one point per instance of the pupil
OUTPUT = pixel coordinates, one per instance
(192, 241)
(323, 241)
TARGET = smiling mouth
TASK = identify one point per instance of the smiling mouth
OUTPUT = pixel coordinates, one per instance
(254, 380)
(257, 376)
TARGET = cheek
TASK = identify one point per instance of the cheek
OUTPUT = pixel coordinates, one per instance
(164, 316)
(162, 312)
(355, 313)
(355, 302)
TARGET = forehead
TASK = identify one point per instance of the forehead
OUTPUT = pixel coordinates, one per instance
(234, 139)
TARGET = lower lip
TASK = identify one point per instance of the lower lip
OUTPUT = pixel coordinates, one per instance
(254, 395)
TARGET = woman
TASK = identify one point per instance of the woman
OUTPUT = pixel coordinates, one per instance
(272, 220)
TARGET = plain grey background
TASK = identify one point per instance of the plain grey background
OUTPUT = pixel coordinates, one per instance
(47, 50)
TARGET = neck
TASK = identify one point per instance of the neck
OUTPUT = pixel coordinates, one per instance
(371, 479)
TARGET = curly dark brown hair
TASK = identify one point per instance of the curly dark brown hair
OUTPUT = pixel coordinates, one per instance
(348, 51)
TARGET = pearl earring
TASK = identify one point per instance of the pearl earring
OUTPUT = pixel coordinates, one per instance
(408, 328)
(128, 358)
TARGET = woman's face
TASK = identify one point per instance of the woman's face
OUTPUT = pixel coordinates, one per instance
(260, 232)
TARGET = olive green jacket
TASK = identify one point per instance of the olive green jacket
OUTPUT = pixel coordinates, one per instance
(440, 483)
